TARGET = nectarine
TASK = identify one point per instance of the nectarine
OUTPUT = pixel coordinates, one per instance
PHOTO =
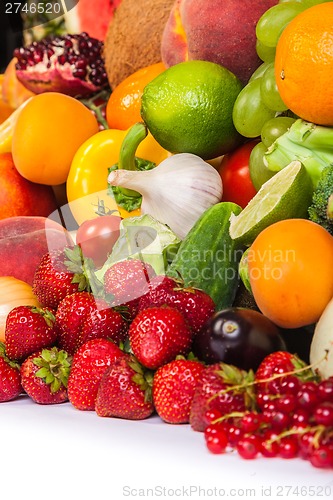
(18, 196)
(220, 31)
(24, 241)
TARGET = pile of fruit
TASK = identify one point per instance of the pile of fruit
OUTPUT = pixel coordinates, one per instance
(166, 235)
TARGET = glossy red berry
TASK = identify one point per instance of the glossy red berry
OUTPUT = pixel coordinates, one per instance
(323, 414)
(250, 422)
(286, 403)
(248, 447)
(270, 445)
(322, 457)
(325, 390)
(307, 396)
(217, 442)
(288, 447)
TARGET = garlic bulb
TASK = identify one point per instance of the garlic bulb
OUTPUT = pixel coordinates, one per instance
(176, 192)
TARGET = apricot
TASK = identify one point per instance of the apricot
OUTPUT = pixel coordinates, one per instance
(220, 31)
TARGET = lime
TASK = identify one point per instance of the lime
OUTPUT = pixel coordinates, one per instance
(188, 109)
(287, 195)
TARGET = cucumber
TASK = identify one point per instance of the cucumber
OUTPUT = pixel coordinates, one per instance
(208, 258)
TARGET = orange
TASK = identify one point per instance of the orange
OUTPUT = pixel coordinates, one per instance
(304, 62)
(123, 107)
(48, 132)
(290, 271)
(5, 109)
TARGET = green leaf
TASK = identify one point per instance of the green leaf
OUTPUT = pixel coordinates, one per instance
(55, 385)
(42, 373)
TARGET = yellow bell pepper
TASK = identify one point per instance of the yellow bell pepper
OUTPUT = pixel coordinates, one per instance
(86, 184)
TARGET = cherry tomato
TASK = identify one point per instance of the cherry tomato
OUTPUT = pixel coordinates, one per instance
(96, 237)
(235, 175)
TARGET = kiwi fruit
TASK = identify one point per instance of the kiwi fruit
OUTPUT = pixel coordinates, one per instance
(133, 38)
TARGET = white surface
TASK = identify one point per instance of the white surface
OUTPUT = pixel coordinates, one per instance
(76, 454)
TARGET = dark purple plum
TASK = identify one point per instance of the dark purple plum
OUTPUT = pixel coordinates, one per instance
(238, 336)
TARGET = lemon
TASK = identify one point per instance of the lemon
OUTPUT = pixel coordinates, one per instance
(287, 195)
(188, 109)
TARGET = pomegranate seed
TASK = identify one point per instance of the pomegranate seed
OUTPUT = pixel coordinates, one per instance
(79, 73)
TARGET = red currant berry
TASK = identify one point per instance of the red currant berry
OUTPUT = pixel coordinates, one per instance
(263, 399)
(212, 415)
(300, 418)
(286, 403)
(323, 414)
(249, 447)
(290, 384)
(214, 429)
(322, 457)
(288, 447)
(306, 444)
(270, 446)
(235, 433)
(274, 386)
(280, 420)
(250, 422)
(307, 396)
(325, 390)
(217, 443)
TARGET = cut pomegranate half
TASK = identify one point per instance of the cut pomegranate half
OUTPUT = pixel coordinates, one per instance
(71, 64)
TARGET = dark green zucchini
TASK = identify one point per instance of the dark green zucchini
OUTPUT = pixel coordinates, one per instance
(208, 258)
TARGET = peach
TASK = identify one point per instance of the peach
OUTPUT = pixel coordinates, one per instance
(18, 196)
(24, 241)
(220, 31)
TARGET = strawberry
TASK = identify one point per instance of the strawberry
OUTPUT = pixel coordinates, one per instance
(10, 378)
(59, 274)
(279, 363)
(196, 305)
(44, 376)
(125, 390)
(222, 388)
(28, 329)
(89, 363)
(173, 389)
(126, 281)
(158, 334)
(80, 317)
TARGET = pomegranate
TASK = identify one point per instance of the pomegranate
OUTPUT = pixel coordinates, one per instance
(71, 64)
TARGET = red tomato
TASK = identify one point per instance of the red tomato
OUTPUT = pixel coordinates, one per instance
(96, 237)
(235, 175)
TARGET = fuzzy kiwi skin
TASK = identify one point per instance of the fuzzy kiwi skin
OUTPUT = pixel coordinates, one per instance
(133, 39)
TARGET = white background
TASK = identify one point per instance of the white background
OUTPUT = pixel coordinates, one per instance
(58, 452)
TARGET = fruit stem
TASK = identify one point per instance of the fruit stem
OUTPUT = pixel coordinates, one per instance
(97, 109)
(269, 379)
(132, 139)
